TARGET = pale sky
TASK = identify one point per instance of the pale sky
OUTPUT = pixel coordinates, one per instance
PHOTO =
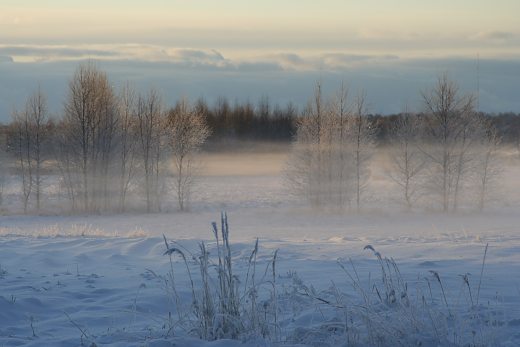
(362, 40)
(403, 27)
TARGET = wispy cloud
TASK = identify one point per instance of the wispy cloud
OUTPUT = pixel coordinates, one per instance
(151, 53)
(495, 36)
(188, 57)
(56, 52)
(280, 59)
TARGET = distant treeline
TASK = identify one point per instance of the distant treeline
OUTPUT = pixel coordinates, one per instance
(266, 122)
(507, 125)
(107, 143)
(247, 121)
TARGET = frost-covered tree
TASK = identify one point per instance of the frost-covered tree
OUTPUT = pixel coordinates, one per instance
(127, 142)
(20, 144)
(306, 167)
(407, 161)
(90, 123)
(67, 163)
(331, 151)
(187, 131)
(363, 139)
(340, 149)
(451, 127)
(3, 166)
(151, 130)
(28, 134)
(487, 167)
(36, 110)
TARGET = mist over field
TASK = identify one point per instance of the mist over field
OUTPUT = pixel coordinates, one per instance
(297, 173)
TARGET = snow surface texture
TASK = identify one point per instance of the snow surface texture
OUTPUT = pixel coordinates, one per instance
(98, 280)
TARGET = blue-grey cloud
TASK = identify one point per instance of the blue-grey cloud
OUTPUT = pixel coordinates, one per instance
(359, 57)
(291, 58)
(340, 61)
(258, 66)
(389, 82)
(198, 55)
(6, 59)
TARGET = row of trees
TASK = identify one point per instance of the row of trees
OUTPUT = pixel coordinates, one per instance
(446, 152)
(106, 143)
(245, 121)
(110, 143)
(332, 149)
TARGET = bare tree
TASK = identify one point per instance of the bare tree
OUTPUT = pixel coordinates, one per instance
(3, 165)
(363, 136)
(187, 132)
(305, 169)
(127, 142)
(38, 132)
(407, 160)
(150, 132)
(340, 152)
(20, 142)
(28, 133)
(79, 119)
(90, 118)
(467, 155)
(487, 168)
(105, 145)
(449, 130)
(331, 153)
(70, 178)
(3, 178)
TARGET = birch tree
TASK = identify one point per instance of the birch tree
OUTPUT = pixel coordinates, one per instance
(127, 142)
(487, 169)
(363, 137)
(37, 133)
(407, 161)
(28, 135)
(20, 143)
(340, 116)
(90, 122)
(331, 152)
(187, 131)
(448, 131)
(305, 170)
(3, 165)
(150, 133)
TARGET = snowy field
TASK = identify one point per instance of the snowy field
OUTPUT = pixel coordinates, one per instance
(100, 280)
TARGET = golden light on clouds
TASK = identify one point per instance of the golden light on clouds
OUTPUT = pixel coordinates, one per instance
(247, 48)
(268, 24)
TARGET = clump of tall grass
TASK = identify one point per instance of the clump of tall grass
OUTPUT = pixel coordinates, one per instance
(390, 312)
(386, 309)
(224, 305)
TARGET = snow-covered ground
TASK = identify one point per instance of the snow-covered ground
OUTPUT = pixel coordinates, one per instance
(99, 280)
